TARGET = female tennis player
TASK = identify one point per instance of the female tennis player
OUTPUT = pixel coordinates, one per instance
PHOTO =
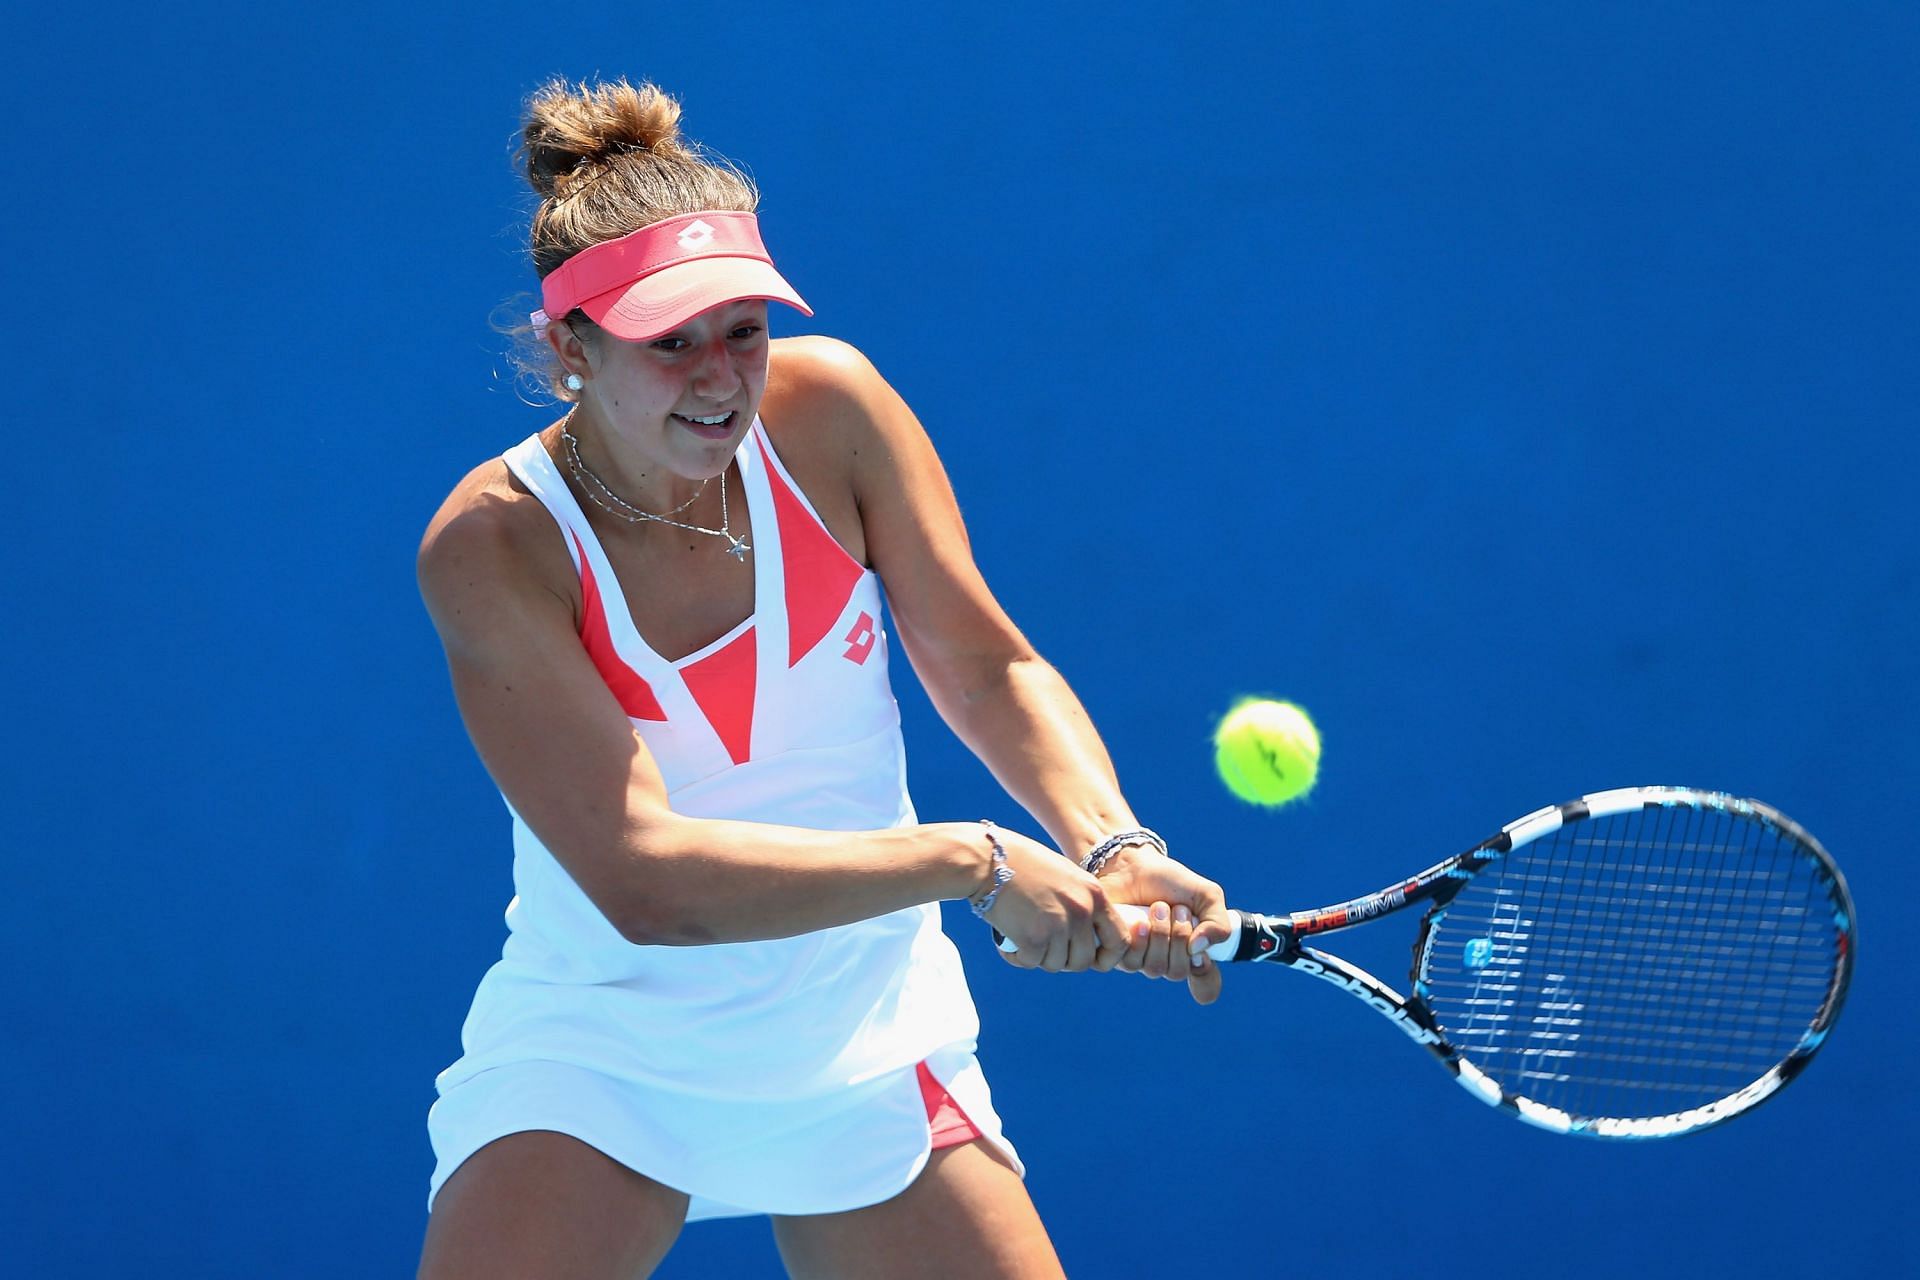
(725, 989)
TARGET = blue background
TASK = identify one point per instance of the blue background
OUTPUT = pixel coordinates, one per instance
(1526, 389)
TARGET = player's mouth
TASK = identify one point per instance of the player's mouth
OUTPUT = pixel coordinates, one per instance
(708, 426)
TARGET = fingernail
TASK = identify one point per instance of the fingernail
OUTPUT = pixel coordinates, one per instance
(1159, 911)
(1141, 930)
(1200, 960)
(1182, 916)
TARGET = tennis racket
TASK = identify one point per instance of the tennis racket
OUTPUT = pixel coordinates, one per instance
(1638, 963)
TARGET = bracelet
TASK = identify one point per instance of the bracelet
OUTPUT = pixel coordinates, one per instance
(1001, 873)
(1104, 851)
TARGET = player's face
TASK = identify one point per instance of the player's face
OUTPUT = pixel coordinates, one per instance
(685, 398)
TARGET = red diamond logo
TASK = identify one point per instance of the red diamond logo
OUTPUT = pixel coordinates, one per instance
(860, 639)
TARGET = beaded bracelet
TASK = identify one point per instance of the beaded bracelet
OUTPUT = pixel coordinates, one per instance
(1104, 851)
(1001, 873)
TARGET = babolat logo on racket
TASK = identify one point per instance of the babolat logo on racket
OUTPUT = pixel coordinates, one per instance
(1400, 1017)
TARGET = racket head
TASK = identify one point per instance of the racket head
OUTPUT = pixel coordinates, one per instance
(1638, 963)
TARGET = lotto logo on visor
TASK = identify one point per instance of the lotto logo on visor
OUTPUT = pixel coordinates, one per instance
(696, 234)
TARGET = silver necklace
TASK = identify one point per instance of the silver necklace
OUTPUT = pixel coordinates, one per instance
(614, 504)
(627, 511)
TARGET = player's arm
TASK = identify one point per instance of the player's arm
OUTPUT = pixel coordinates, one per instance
(1010, 706)
(566, 757)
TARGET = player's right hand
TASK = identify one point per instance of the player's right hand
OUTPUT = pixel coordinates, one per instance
(1055, 913)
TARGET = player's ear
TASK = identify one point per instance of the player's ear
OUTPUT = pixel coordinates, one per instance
(569, 348)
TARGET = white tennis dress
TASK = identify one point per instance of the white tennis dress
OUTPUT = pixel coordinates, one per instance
(758, 1077)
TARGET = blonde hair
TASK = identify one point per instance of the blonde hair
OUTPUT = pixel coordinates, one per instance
(607, 159)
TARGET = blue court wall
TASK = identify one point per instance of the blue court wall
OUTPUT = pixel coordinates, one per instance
(1525, 389)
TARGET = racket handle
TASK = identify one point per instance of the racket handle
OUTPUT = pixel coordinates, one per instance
(1131, 915)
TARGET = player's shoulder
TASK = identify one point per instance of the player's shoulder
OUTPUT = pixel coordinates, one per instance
(824, 389)
(485, 511)
(491, 535)
(814, 362)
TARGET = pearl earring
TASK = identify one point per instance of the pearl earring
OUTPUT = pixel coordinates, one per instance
(573, 382)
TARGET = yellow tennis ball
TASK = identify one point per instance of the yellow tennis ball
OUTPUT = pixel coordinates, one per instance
(1267, 752)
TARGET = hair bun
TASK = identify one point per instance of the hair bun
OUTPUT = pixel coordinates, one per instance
(572, 129)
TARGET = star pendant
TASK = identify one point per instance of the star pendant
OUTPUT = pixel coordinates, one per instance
(739, 550)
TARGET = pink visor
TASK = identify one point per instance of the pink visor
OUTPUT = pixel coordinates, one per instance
(657, 278)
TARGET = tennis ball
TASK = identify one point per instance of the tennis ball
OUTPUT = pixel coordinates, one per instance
(1267, 752)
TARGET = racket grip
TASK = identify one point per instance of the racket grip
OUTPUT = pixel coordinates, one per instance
(1131, 915)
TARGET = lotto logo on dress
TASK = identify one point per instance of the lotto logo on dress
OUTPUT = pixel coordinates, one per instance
(860, 639)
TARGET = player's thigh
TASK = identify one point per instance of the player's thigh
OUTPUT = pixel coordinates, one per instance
(542, 1204)
(967, 1216)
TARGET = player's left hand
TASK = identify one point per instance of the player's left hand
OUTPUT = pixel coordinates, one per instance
(1185, 909)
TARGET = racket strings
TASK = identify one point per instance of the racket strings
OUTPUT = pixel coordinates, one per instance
(1639, 964)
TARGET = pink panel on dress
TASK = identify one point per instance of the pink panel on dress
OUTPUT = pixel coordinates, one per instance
(820, 574)
(950, 1125)
(634, 695)
(722, 683)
